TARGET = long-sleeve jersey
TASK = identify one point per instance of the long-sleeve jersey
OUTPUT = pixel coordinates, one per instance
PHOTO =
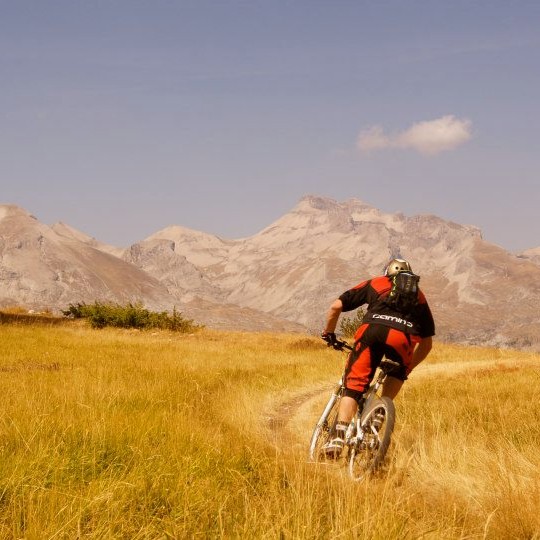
(419, 321)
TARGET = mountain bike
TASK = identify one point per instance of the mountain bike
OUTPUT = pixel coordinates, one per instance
(368, 436)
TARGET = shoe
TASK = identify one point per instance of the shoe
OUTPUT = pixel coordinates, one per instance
(332, 449)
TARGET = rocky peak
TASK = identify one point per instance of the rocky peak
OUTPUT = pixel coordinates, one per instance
(532, 255)
(14, 212)
(202, 249)
(314, 202)
(20, 229)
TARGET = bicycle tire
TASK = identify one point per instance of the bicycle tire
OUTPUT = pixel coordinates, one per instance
(325, 426)
(367, 456)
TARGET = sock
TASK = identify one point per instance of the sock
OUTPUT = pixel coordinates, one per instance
(341, 428)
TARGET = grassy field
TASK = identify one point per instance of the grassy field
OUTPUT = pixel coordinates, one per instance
(128, 434)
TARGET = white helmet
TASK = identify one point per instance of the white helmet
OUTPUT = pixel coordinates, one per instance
(395, 266)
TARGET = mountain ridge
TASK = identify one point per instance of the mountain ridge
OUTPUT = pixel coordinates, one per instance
(286, 275)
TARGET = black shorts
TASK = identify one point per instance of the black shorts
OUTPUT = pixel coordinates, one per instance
(372, 343)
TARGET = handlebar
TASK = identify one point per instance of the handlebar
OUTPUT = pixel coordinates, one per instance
(338, 345)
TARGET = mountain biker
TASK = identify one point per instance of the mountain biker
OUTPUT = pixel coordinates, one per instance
(402, 335)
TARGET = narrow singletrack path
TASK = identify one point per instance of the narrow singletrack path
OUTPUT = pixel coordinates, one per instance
(292, 420)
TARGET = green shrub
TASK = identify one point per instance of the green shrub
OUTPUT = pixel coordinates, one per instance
(129, 316)
(349, 325)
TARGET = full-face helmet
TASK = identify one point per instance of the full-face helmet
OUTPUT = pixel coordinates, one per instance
(395, 266)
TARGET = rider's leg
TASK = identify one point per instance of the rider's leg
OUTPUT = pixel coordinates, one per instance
(391, 387)
(399, 347)
(356, 379)
(347, 409)
(362, 364)
(360, 369)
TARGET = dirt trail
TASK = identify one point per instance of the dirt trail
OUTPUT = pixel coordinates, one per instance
(292, 420)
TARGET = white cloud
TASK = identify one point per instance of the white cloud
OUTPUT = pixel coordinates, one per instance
(373, 139)
(429, 137)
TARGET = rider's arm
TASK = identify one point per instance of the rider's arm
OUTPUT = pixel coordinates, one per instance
(363, 293)
(422, 350)
(332, 317)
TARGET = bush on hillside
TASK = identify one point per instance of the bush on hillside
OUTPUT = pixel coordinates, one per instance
(349, 325)
(129, 316)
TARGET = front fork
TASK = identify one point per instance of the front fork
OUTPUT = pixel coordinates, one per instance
(324, 416)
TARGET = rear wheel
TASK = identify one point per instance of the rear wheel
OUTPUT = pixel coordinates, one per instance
(377, 424)
(324, 428)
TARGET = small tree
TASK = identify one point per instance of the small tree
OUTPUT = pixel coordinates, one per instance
(349, 325)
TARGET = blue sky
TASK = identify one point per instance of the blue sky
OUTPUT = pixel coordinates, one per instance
(120, 117)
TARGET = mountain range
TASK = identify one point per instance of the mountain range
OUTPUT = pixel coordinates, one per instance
(284, 277)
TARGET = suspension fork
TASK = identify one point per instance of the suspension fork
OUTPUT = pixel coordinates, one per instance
(338, 390)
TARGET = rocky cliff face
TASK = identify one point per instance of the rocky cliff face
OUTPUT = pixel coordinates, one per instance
(287, 274)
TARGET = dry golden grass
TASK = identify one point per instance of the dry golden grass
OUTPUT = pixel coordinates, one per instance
(126, 434)
(20, 315)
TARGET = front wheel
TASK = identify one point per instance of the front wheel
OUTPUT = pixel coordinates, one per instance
(373, 439)
(324, 428)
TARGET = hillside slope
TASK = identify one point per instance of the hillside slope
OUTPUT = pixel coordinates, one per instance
(41, 268)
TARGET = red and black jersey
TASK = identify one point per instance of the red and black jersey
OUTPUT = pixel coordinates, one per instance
(419, 321)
